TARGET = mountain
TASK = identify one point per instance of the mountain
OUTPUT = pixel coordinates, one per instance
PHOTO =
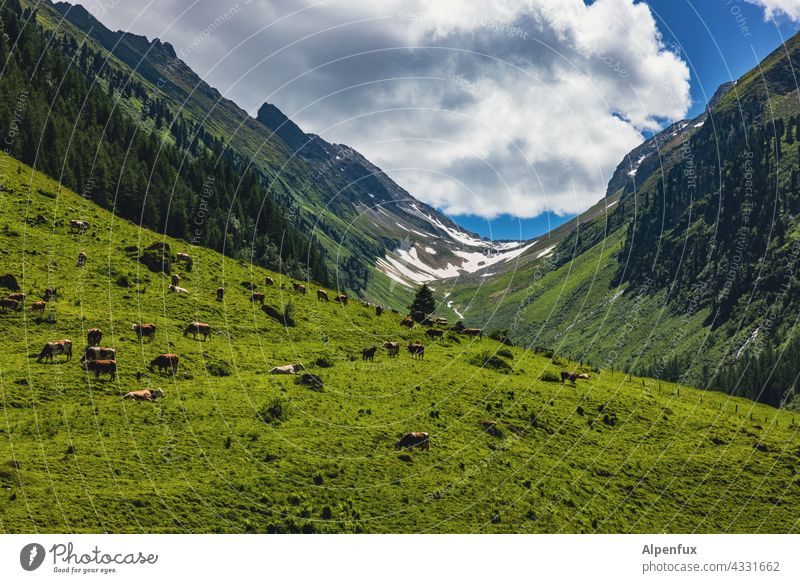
(232, 449)
(377, 239)
(690, 273)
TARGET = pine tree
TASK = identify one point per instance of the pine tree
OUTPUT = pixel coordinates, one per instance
(423, 305)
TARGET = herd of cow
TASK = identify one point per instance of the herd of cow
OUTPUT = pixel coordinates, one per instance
(103, 360)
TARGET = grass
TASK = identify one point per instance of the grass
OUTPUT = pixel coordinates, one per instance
(233, 449)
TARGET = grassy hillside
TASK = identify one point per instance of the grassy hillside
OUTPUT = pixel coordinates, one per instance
(509, 453)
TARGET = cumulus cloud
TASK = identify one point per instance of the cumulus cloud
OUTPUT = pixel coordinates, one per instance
(775, 8)
(510, 107)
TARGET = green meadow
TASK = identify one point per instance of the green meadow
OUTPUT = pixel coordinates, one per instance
(233, 449)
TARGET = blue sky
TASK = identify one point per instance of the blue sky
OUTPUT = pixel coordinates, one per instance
(711, 37)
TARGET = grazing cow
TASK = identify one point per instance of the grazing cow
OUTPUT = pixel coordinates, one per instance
(369, 353)
(287, 369)
(176, 279)
(144, 395)
(178, 290)
(38, 307)
(94, 336)
(142, 330)
(299, 287)
(393, 348)
(220, 293)
(269, 281)
(434, 333)
(378, 310)
(183, 257)
(257, 297)
(571, 376)
(99, 367)
(322, 295)
(165, 362)
(417, 350)
(341, 298)
(9, 304)
(473, 332)
(196, 328)
(407, 322)
(50, 293)
(51, 349)
(413, 439)
(78, 226)
(98, 353)
(81, 259)
(18, 297)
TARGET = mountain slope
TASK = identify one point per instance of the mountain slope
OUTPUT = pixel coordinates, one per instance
(233, 449)
(691, 275)
(361, 218)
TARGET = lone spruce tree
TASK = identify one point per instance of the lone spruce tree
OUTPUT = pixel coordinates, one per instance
(423, 304)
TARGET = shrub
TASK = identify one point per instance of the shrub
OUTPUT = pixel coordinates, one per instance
(505, 353)
(549, 376)
(490, 361)
(288, 314)
(276, 411)
(219, 368)
(324, 362)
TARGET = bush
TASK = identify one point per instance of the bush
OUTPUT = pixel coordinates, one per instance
(324, 362)
(219, 368)
(276, 411)
(505, 353)
(490, 361)
(550, 377)
(288, 314)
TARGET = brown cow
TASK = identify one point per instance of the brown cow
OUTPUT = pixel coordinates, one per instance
(94, 336)
(81, 259)
(407, 322)
(108, 367)
(78, 226)
(378, 311)
(176, 279)
(165, 362)
(413, 439)
(434, 333)
(50, 293)
(257, 297)
(142, 330)
(196, 328)
(571, 376)
(287, 369)
(269, 281)
(98, 353)
(9, 304)
(417, 350)
(220, 293)
(369, 353)
(322, 295)
(38, 307)
(393, 348)
(183, 257)
(53, 348)
(144, 395)
(473, 332)
(341, 298)
(299, 287)
(18, 297)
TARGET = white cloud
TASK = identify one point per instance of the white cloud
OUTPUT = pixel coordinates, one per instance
(774, 8)
(513, 106)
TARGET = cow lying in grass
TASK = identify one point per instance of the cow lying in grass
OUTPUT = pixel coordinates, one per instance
(287, 369)
(144, 395)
